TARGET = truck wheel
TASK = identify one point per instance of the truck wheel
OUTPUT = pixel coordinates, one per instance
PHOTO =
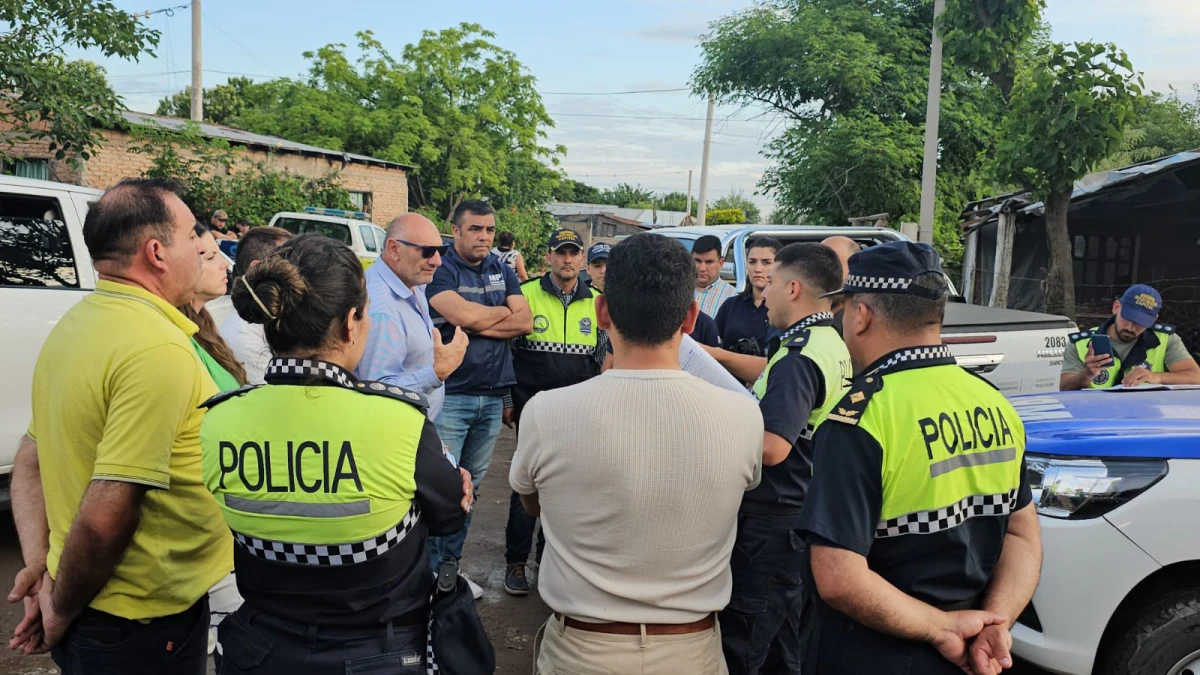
(1164, 639)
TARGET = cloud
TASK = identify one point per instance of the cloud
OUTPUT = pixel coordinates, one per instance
(674, 32)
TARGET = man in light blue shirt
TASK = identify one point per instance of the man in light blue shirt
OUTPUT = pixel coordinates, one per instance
(403, 348)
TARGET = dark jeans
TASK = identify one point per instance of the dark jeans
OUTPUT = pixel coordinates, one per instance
(765, 625)
(842, 646)
(261, 644)
(98, 643)
(518, 533)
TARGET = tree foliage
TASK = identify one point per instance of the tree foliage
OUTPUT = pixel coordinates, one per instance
(222, 103)
(987, 36)
(737, 200)
(49, 98)
(455, 104)
(625, 195)
(725, 217)
(576, 192)
(1163, 124)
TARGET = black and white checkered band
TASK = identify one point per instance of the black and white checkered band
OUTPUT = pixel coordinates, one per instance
(859, 282)
(916, 355)
(287, 367)
(556, 347)
(928, 522)
(325, 555)
(807, 322)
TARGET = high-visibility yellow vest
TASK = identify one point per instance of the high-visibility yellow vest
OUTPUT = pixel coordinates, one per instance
(815, 338)
(1150, 351)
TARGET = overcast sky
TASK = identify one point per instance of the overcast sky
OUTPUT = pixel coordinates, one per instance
(591, 47)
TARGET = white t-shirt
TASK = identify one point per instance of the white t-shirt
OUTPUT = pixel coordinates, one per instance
(640, 494)
(249, 344)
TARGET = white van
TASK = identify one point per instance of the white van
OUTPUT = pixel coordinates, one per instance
(352, 228)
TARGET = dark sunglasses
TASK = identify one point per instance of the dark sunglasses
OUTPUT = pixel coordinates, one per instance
(426, 251)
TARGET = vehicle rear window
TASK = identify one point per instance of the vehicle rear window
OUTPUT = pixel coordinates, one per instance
(35, 249)
(338, 231)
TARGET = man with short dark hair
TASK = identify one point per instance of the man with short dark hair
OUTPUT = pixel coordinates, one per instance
(219, 226)
(242, 227)
(764, 626)
(1144, 351)
(110, 506)
(565, 348)
(475, 291)
(711, 290)
(247, 340)
(923, 539)
(640, 510)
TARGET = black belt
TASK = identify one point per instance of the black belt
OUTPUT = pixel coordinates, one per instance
(411, 620)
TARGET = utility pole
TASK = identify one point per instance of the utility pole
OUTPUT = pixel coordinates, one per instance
(932, 119)
(703, 206)
(197, 76)
(689, 199)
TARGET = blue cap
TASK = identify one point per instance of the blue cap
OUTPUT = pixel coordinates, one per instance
(891, 268)
(599, 252)
(1141, 305)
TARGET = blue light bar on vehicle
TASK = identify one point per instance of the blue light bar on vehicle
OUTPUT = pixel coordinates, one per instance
(338, 212)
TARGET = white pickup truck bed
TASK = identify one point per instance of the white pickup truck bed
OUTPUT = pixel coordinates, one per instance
(1019, 352)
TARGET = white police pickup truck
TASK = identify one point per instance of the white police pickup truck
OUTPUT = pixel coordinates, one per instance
(1019, 352)
(44, 270)
(1116, 481)
(352, 228)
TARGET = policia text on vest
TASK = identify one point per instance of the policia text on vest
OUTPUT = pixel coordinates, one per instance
(254, 462)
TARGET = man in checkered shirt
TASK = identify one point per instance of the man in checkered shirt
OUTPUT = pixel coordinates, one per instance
(924, 542)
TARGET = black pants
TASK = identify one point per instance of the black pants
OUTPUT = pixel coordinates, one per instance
(765, 626)
(518, 533)
(98, 643)
(846, 648)
(260, 644)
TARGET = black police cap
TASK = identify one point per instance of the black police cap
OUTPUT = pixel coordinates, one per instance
(891, 268)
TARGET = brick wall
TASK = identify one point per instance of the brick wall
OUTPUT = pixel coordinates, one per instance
(113, 162)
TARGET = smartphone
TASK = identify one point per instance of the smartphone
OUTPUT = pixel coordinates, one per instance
(1102, 344)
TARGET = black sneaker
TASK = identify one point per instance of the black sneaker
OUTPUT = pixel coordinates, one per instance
(515, 582)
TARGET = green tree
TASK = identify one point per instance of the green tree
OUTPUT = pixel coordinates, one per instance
(1069, 110)
(1163, 124)
(49, 98)
(624, 194)
(737, 200)
(988, 36)
(222, 103)
(676, 201)
(576, 192)
(724, 217)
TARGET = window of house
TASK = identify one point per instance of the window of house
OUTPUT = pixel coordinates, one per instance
(1104, 260)
(361, 200)
(26, 168)
(35, 249)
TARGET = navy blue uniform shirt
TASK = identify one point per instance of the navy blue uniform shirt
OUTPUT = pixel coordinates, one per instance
(739, 319)
(487, 368)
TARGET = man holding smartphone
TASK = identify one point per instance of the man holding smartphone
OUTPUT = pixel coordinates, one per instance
(1131, 348)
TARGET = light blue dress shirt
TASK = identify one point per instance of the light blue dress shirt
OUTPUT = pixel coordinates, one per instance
(400, 345)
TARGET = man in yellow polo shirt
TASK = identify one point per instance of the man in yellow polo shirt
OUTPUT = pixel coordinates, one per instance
(107, 490)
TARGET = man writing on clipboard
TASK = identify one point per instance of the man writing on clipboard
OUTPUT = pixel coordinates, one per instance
(1130, 348)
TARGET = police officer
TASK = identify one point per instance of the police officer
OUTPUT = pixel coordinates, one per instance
(565, 348)
(329, 484)
(1143, 349)
(808, 367)
(923, 542)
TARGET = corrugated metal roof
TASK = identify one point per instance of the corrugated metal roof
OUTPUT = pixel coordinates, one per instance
(984, 211)
(240, 137)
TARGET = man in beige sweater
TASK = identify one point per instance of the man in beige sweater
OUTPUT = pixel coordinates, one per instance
(638, 496)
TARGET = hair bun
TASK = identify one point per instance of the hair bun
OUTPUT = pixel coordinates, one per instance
(269, 290)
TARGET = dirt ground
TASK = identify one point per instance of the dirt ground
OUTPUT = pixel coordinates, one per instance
(511, 622)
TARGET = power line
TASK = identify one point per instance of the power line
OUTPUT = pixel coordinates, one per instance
(625, 175)
(169, 11)
(612, 93)
(239, 44)
(647, 117)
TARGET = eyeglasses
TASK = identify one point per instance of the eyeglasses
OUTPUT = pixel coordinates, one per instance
(426, 251)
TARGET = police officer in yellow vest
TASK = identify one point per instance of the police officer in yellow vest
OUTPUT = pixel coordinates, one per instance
(762, 628)
(329, 484)
(566, 347)
(923, 542)
(1144, 351)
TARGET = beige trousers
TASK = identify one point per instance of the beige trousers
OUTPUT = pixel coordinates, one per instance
(567, 651)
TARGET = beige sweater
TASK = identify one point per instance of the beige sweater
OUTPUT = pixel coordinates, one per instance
(640, 474)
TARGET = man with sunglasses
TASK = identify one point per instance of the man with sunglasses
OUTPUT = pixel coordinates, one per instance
(403, 348)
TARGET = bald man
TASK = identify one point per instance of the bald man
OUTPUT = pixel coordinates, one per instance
(403, 348)
(844, 247)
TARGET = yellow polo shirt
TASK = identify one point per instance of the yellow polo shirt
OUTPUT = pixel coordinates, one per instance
(115, 395)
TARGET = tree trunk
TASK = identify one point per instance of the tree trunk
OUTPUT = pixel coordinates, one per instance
(1060, 274)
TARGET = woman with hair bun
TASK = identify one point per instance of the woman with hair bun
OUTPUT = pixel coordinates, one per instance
(330, 484)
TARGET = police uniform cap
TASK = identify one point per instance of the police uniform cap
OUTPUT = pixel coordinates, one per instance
(564, 237)
(891, 268)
